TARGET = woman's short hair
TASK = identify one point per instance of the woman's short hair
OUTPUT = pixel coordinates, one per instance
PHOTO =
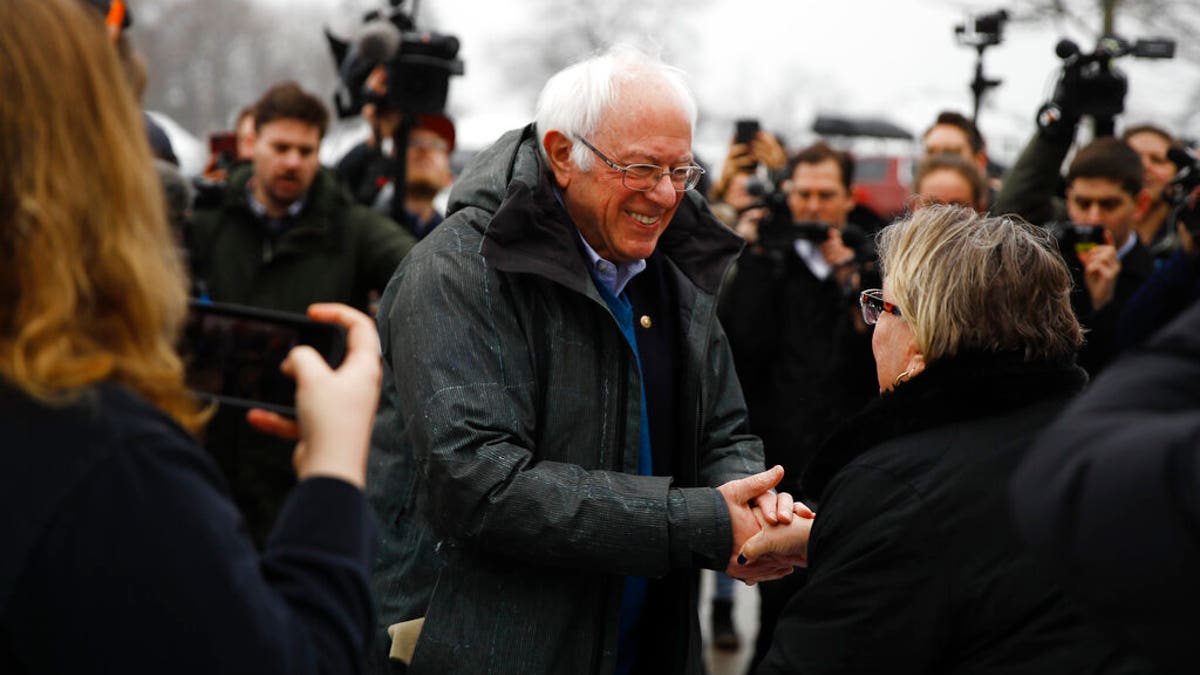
(92, 287)
(575, 100)
(967, 282)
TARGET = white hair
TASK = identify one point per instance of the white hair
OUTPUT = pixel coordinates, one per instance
(576, 98)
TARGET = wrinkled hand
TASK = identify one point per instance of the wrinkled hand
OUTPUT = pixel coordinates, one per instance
(783, 545)
(1100, 270)
(738, 496)
(334, 408)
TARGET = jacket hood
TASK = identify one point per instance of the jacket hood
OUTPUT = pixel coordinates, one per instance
(956, 389)
(530, 231)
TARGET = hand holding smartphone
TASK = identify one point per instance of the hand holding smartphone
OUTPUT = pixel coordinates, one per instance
(232, 354)
(222, 147)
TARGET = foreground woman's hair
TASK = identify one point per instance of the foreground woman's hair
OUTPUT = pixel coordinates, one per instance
(91, 285)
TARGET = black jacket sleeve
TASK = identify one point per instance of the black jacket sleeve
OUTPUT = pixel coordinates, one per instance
(1030, 185)
(147, 569)
(1110, 495)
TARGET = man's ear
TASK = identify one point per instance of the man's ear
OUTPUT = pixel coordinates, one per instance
(558, 149)
(981, 163)
(1141, 204)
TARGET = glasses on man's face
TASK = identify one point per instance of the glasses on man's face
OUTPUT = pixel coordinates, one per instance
(645, 177)
(872, 303)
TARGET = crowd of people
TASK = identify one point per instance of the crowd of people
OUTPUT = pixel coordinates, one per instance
(560, 398)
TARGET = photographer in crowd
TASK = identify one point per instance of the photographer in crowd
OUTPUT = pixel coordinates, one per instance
(948, 179)
(1152, 143)
(802, 352)
(367, 169)
(761, 154)
(952, 133)
(1104, 199)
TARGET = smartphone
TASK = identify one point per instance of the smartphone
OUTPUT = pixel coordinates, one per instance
(745, 130)
(232, 353)
(1088, 237)
(223, 146)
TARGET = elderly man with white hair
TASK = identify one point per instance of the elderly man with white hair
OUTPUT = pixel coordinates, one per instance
(561, 416)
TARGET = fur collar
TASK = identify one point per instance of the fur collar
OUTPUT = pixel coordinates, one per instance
(956, 389)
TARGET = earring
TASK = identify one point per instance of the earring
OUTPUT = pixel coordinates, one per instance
(902, 377)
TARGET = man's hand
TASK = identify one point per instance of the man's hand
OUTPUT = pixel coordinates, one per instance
(747, 225)
(768, 150)
(834, 250)
(1100, 269)
(738, 495)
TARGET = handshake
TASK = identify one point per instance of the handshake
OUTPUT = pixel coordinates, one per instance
(770, 530)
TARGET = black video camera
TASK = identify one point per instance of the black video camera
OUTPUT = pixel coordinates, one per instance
(1090, 85)
(777, 231)
(419, 65)
(1177, 193)
(983, 30)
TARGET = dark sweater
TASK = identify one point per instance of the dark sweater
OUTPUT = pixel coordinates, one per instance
(124, 554)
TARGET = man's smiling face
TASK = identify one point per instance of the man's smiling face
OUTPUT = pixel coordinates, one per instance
(619, 223)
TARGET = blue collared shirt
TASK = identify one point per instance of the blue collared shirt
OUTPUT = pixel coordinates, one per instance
(276, 225)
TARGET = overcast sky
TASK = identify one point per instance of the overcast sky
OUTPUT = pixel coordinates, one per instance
(891, 58)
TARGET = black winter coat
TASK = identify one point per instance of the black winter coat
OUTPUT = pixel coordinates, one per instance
(914, 564)
(1110, 497)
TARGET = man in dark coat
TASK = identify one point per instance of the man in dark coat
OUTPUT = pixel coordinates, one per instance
(559, 399)
(1104, 190)
(285, 235)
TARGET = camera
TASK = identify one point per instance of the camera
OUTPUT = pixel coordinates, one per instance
(1074, 238)
(419, 65)
(777, 231)
(1090, 85)
(1177, 193)
(983, 30)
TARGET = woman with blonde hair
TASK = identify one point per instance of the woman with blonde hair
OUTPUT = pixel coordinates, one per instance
(913, 563)
(122, 550)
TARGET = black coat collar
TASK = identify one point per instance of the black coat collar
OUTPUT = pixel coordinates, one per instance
(960, 388)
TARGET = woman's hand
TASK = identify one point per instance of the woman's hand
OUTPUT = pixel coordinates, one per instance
(334, 408)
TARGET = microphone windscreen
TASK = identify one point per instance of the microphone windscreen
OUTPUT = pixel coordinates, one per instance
(378, 41)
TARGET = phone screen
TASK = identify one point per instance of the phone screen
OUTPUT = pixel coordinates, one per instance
(745, 130)
(232, 353)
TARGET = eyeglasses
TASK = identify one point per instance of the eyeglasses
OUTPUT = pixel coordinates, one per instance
(872, 303)
(645, 177)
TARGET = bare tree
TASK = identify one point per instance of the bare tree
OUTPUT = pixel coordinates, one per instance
(567, 30)
(209, 59)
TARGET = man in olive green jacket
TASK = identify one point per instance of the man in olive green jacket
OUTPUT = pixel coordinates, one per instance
(550, 442)
(285, 235)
